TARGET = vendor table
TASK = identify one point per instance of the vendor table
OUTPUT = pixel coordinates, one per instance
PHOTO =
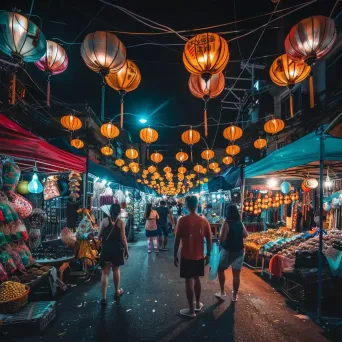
(254, 226)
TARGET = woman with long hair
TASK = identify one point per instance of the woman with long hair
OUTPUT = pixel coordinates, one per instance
(113, 251)
(232, 252)
(151, 217)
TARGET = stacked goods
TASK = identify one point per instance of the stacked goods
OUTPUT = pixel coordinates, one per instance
(13, 296)
(74, 185)
(52, 253)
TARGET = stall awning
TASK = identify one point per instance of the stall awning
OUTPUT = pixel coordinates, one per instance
(28, 150)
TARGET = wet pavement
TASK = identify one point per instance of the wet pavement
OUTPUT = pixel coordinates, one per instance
(154, 294)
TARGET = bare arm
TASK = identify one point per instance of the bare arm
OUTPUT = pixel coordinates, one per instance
(102, 226)
(157, 215)
(123, 235)
(208, 237)
(224, 232)
(170, 216)
(245, 233)
(176, 244)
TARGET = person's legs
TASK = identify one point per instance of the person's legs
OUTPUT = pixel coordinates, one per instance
(236, 282)
(149, 244)
(116, 278)
(222, 280)
(189, 290)
(165, 241)
(197, 288)
(104, 280)
(160, 238)
(155, 244)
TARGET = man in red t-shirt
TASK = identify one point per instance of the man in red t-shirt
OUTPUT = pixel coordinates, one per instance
(191, 231)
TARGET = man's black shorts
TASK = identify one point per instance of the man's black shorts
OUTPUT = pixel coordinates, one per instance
(191, 268)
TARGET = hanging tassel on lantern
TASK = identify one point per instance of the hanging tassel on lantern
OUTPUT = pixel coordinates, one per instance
(191, 154)
(148, 151)
(291, 105)
(312, 92)
(14, 83)
(103, 96)
(206, 98)
(48, 91)
(122, 94)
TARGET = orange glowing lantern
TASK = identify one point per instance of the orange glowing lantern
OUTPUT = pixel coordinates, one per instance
(149, 136)
(131, 153)
(71, 122)
(208, 154)
(152, 169)
(157, 157)
(233, 150)
(232, 133)
(109, 130)
(191, 137)
(274, 126)
(227, 160)
(213, 165)
(198, 168)
(182, 169)
(107, 150)
(119, 162)
(182, 156)
(217, 170)
(260, 143)
(125, 168)
(77, 143)
(167, 169)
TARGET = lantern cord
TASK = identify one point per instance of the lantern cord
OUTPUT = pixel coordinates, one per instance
(14, 82)
(333, 9)
(29, 16)
(291, 105)
(121, 113)
(103, 99)
(48, 92)
(312, 92)
(205, 123)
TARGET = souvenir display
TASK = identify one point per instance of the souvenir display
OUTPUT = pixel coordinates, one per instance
(68, 237)
(51, 188)
(21, 205)
(74, 185)
(22, 187)
(10, 176)
(37, 219)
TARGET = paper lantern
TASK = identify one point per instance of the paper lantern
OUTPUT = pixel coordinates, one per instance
(182, 169)
(139, 180)
(310, 183)
(180, 176)
(133, 164)
(107, 150)
(77, 143)
(286, 72)
(208, 154)
(217, 170)
(54, 62)
(135, 168)
(205, 180)
(304, 188)
(232, 133)
(198, 168)
(285, 187)
(274, 126)
(213, 165)
(131, 153)
(104, 53)
(109, 130)
(312, 38)
(326, 206)
(125, 80)
(191, 137)
(22, 187)
(157, 157)
(35, 186)
(206, 90)
(206, 54)
(227, 160)
(260, 143)
(182, 156)
(22, 40)
(119, 162)
(167, 169)
(145, 172)
(148, 135)
(151, 169)
(204, 171)
(233, 150)
(125, 168)
(71, 122)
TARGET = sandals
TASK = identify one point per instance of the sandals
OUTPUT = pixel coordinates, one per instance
(201, 305)
(186, 312)
(119, 293)
(220, 296)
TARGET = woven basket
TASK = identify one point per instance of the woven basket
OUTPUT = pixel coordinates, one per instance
(16, 304)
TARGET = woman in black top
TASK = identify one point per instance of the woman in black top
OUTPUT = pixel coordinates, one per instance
(232, 250)
(113, 251)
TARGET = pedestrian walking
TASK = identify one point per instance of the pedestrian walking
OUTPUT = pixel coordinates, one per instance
(232, 251)
(191, 231)
(163, 229)
(151, 217)
(113, 251)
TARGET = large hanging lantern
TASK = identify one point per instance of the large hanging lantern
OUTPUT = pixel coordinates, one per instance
(286, 72)
(77, 143)
(71, 122)
(149, 136)
(232, 133)
(227, 160)
(126, 79)
(274, 126)
(104, 53)
(206, 90)
(21, 39)
(182, 169)
(310, 183)
(152, 169)
(260, 143)
(208, 154)
(109, 130)
(213, 165)
(206, 54)
(233, 150)
(312, 38)
(167, 169)
(119, 162)
(191, 137)
(157, 157)
(54, 62)
(107, 150)
(182, 156)
(131, 153)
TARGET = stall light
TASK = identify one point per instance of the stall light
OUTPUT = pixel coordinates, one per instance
(263, 191)
(218, 196)
(35, 186)
(104, 182)
(127, 192)
(213, 196)
(272, 183)
(327, 183)
(142, 120)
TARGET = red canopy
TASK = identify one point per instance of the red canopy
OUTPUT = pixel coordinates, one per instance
(28, 150)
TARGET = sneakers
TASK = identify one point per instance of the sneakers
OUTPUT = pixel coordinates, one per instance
(186, 312)
(220, 296)
(199, 309)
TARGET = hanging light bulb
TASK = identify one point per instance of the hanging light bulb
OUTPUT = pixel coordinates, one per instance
(35, 186)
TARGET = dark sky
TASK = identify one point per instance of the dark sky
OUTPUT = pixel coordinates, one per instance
(164, 82)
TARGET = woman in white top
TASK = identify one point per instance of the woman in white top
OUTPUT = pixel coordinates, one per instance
(151, 217)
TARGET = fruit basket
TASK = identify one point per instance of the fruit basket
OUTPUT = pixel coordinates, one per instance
(14, 304)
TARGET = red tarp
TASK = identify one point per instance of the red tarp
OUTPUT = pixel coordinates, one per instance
(27, 149)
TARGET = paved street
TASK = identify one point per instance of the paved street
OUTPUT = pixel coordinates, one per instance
(149, 309)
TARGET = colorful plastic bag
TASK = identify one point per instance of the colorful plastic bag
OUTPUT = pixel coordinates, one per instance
(51, 188)
(11, 175)
(34, 238)
(38, 219)
(8, 263)
(21, 205)
(3, 273)
(16, 259)
(214, 261)
(68, 237)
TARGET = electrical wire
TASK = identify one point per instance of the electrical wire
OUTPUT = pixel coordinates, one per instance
(238, 44)
(333, 9)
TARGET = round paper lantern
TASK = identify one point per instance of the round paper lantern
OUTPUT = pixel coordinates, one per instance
(167, 169)
(22, 187)
(206, 54)
(107, 150)
(227, 160)
(213, 165)
(205, 180)
(274, 126)
(77, 143)
(21, 39)
(119, 162)
(139, 180)
(217, 170)
(260, 143)
(181, 176)
(125, 168)
(148, 135)
(233, 150)
(126, 79)
(204, 171)
(135, 168)
(104, 53)
(182, 169)
(232, 133)
(151, 169)
(109, 130)
(133, 164)
(198, 168)
(131, 153)
(304, 188)
(208, 154)
(54, 62)
(286, 72)
(285, 187)
(145, 172)
(71, 122)
(191, 137)
(157, 157)
(334, 203)
(182, 156)
(310, 183)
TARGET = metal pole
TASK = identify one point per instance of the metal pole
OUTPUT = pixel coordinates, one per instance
(320, 252)
(85, 185)
(242, 187)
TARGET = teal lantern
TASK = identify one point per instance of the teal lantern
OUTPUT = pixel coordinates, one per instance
(285, 187)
